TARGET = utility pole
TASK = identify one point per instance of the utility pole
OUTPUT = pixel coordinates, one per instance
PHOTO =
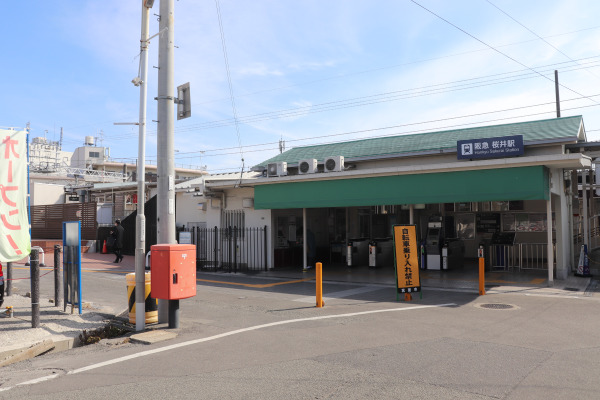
(557, 96)
(168, 311)
(140, 226)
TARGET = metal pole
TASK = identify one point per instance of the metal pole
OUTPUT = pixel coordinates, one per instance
(35, 289)
(411, 214)
(550, 253)
(72, 277)
(9, 268)
(165, 137)
(66, 275)
(319, 283)
(481, 272)
(173, 314)
(584, 205)
(266, 257)
(140, 226)
(57, 285)
(304, 244)
(557, 94)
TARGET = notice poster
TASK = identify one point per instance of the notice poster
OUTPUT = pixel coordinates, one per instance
(406, 253)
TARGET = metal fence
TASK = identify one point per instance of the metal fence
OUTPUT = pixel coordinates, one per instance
(230, 249)
(520, 256)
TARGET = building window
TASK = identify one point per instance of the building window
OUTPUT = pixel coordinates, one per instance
(94, 154)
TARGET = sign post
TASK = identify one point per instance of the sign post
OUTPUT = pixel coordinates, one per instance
(72, 264)
(406, 256)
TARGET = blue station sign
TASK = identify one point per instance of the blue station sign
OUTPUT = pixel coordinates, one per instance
(498, 147)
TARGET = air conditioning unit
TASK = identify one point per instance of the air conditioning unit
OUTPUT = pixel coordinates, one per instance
(334, 164)
(307, 166)
(277, 169)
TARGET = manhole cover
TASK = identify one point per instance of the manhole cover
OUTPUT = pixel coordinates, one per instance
(496, 306)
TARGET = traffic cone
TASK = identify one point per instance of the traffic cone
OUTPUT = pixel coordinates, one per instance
(104, 248)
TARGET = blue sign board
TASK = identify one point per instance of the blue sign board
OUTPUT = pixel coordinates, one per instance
(498, 147)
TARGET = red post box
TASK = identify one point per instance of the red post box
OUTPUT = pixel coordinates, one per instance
(173, 271)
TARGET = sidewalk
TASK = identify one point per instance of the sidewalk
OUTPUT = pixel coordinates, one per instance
(58, 330)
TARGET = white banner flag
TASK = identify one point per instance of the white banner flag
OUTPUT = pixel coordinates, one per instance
(15, 241)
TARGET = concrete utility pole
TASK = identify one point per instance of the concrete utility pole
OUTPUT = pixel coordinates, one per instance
(140, 226)
(166, 164)
(557, 93)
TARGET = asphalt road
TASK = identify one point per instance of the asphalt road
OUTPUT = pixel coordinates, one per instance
(247, 338)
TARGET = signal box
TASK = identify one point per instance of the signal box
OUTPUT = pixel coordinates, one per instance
(173, 271)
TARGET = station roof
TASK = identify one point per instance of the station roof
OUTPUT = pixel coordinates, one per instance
(568, 129)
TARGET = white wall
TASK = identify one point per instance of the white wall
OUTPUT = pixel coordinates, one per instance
(254, 218)
(46, 193)
(186, 209)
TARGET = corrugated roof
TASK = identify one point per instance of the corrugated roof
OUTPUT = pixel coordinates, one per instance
(548, 130)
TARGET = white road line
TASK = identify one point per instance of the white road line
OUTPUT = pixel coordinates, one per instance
(42, 379)
(222, 335)
(237, 331)
(339, 295)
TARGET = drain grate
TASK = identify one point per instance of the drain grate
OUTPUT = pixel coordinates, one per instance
(496, 306)
(572, 289)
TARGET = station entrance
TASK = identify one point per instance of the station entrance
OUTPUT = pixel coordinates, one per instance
(359, 239)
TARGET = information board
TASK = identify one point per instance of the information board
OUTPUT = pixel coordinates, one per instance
(488, 222)
(406, 256)
(496, 147)
(185, 237)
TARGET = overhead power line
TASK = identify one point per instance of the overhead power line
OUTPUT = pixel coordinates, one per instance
(224, 45)
(538, 36)
(391, 66)
(101, 123)
(185, 154)
(415, 131)
(446, 87)
(495, 49)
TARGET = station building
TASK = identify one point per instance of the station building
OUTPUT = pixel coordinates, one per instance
(510, 188)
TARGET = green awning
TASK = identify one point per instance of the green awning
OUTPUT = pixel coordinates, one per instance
(521, 183)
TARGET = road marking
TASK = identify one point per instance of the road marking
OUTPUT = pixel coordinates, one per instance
(243, 330)
(219, 336)
(339, 295)
(256, 285)
(38, 380)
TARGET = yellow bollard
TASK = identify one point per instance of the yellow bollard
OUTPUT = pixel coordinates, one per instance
(481, 276)
(319, 279)
(151, 306)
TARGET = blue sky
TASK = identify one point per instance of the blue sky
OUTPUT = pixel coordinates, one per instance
(306, 71)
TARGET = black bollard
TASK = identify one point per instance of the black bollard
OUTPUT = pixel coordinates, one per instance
(57, 283)
(35, 288)
(9, 279)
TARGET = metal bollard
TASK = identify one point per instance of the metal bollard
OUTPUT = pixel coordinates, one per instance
(57, 283)
(41, 251)
(481, 271)
(9, 268)
(35, 288)
(319, 280)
